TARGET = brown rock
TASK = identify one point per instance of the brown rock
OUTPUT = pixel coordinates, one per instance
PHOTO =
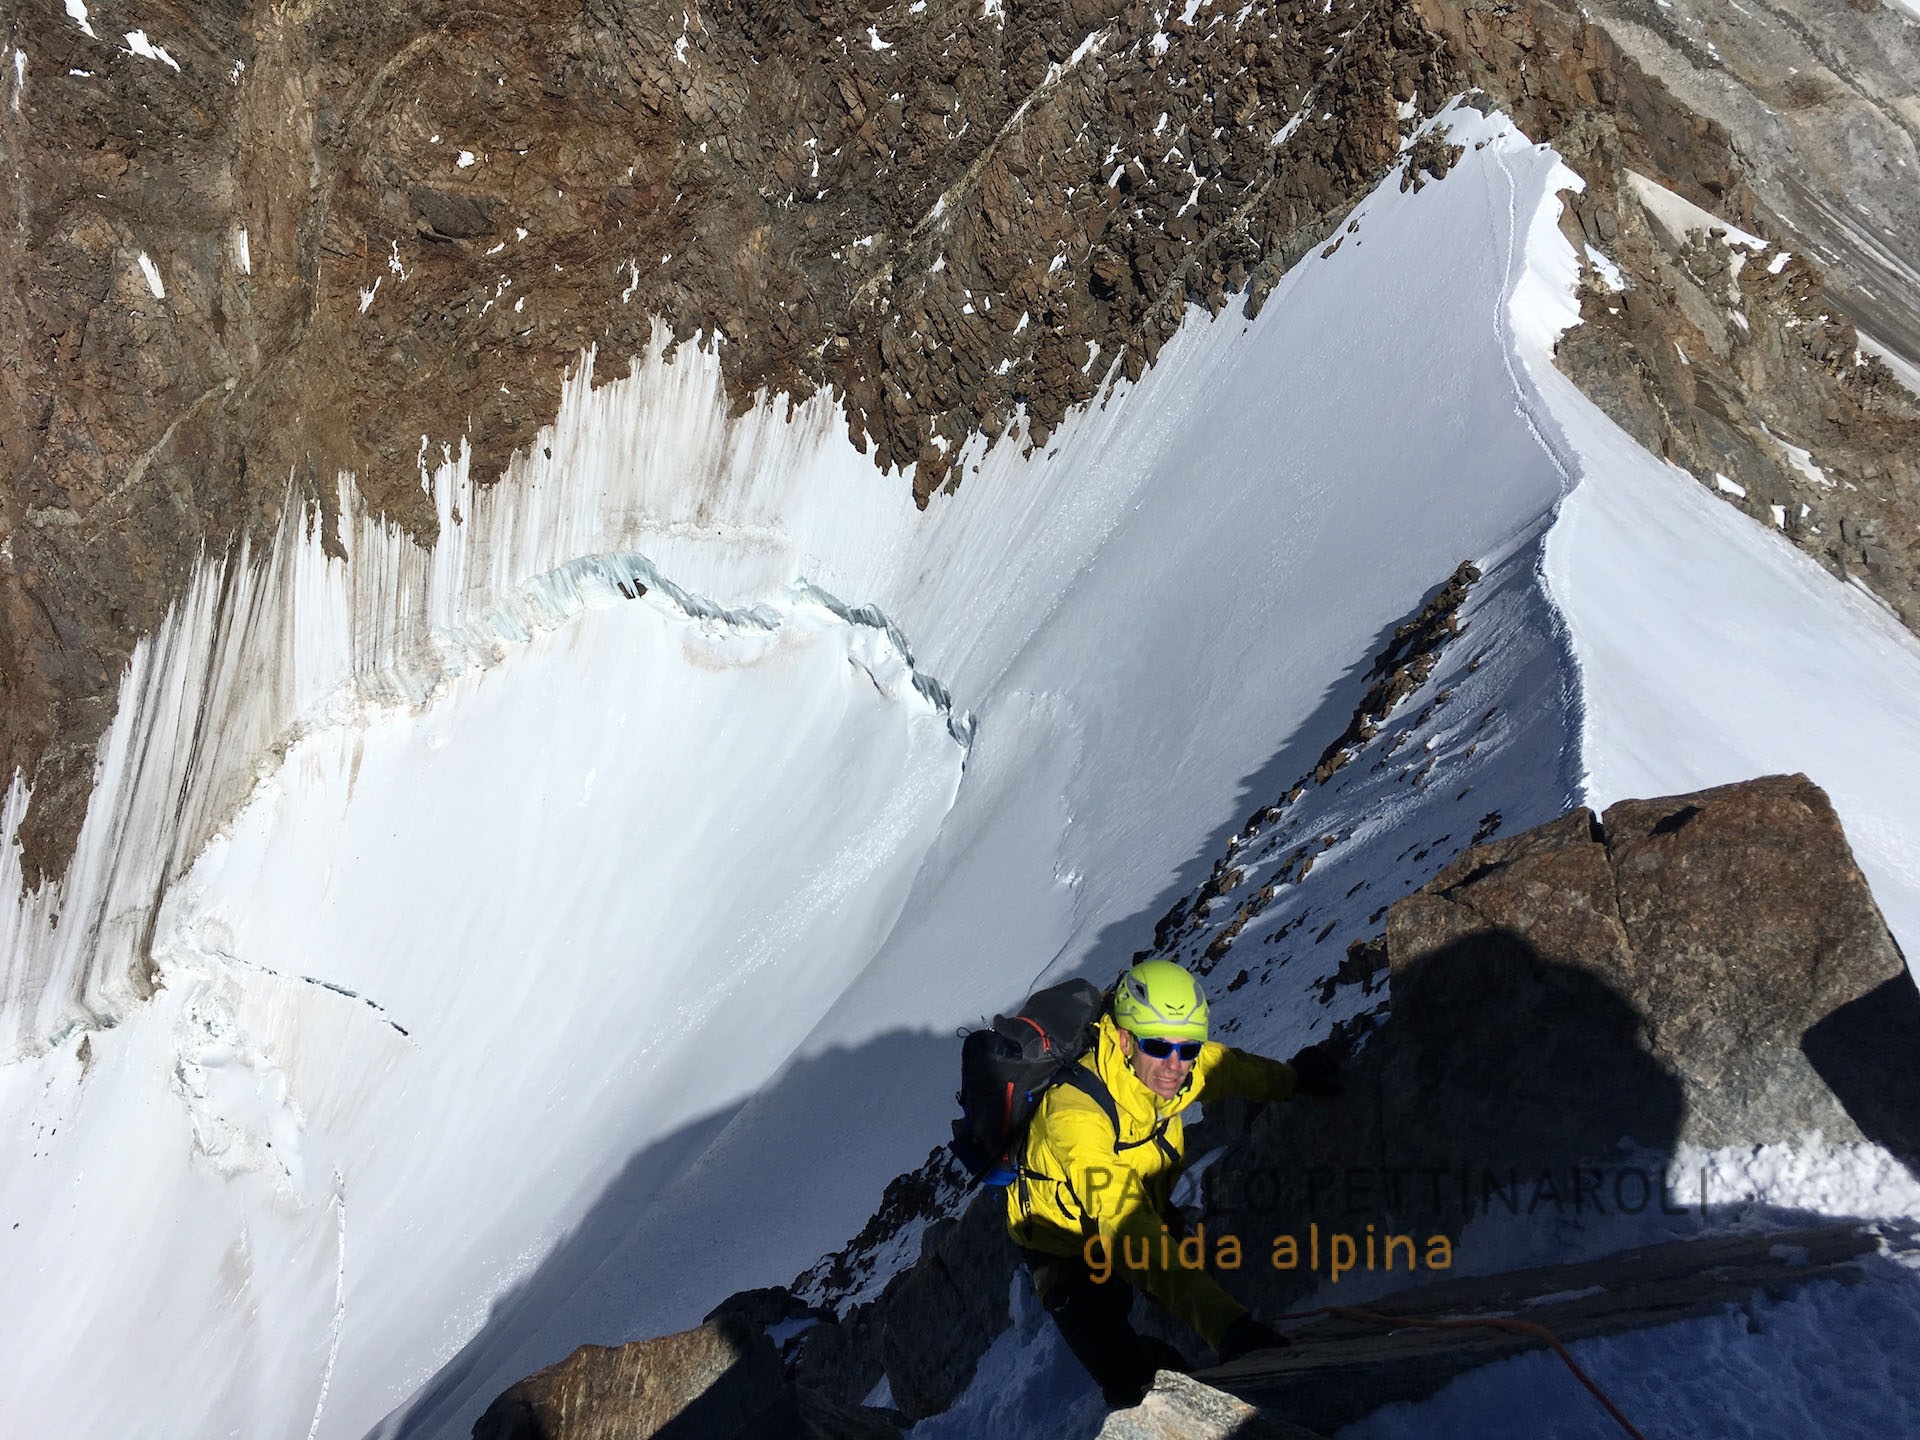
(1750, 924)
(1551, 884)
(1731, 921)
(441, 216)
(1182, 1408)
(723, 1375)
(721, 1381)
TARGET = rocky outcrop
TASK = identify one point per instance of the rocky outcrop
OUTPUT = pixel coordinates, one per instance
(1731, 922)
(1820, 94)
(1182, 1408)
(1401, 668)
(1569, 1004)
(722, 1381)
(927, 1329)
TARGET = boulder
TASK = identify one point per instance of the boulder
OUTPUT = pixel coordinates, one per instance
(722, 1381)
(719, 1377)
(1182, 1408)
(1732, 922)
(1567, 1007)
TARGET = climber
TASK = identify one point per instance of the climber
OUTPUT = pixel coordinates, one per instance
(1100, 1161)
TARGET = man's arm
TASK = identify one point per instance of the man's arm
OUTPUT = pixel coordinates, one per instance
(1222, 1070)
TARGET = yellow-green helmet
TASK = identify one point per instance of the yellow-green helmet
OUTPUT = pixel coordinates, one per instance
(1157, 999)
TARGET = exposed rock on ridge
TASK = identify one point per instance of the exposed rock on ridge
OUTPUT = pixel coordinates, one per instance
(721, 1381)
(1731, 921)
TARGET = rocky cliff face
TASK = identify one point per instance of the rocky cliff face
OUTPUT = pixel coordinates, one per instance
(257, 247)
(365, 238)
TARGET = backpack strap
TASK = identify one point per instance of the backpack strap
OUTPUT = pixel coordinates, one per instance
(1095, 1089)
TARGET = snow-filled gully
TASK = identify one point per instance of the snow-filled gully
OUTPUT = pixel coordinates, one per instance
(591, 895)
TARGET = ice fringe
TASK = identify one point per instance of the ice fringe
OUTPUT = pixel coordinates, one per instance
(265, 648)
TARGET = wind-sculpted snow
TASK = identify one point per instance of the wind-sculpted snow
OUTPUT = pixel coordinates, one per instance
(540, 960)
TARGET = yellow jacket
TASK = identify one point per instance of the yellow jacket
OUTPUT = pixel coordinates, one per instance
(1078, 1179)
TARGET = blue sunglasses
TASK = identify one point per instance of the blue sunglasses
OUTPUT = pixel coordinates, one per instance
(1158, 1049)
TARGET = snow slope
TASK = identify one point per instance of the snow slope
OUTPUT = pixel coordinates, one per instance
(1710, 649)
(1786, 669)
(539, 963)
(1198, 649)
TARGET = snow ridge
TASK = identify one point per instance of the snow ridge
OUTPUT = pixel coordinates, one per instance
(1535, 309)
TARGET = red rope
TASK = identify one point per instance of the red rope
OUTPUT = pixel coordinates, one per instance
(1516, 1327)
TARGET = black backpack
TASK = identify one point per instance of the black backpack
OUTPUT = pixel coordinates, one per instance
(1007, 1067)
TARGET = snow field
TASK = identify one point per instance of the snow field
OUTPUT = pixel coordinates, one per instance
(307, 1091)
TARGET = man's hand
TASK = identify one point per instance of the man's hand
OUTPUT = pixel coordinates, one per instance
(1248, 1336)
(1316, 1070)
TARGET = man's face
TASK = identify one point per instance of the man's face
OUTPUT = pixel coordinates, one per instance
(1163, 1077)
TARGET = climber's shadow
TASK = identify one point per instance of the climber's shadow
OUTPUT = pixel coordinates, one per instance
(1865, 1051)
(1502, 1078)
(1498, 1054)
